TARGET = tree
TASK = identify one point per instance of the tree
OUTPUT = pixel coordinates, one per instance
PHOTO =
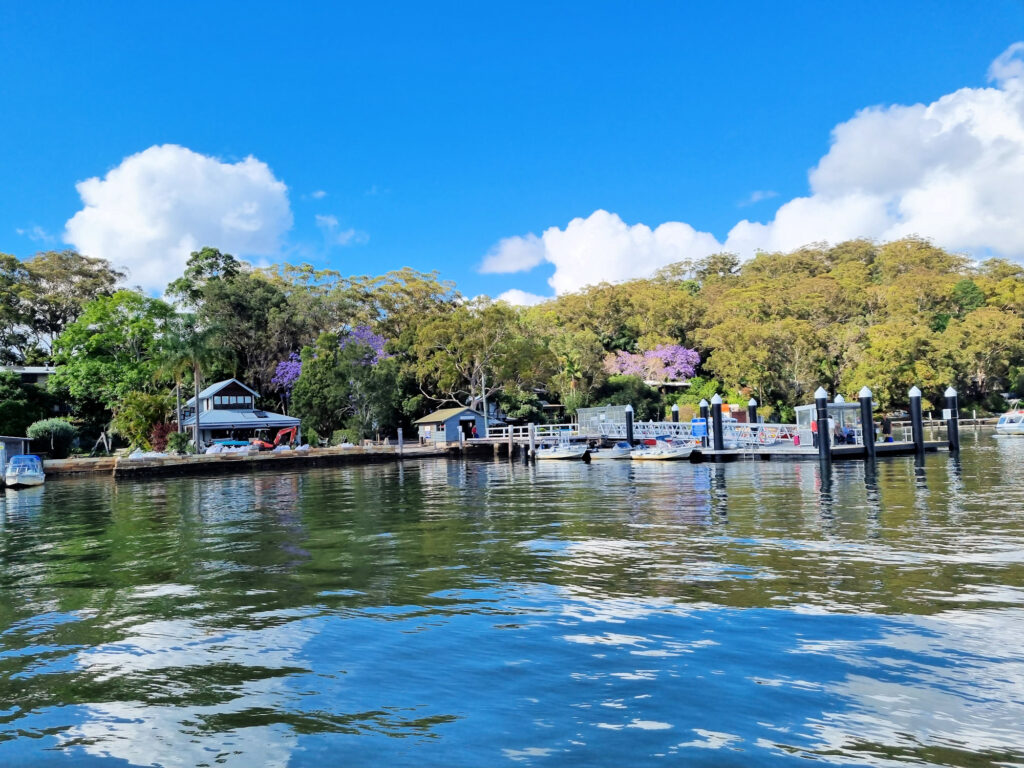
(982, 347)
(21, 404)
(60, 286)
(187, 344)
(630, 390)
(59, 433)
(138, 413)
(109, 351)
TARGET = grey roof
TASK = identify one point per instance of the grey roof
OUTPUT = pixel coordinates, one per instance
(225, 419)
(213, 389)
(29, 368)
(443, 415)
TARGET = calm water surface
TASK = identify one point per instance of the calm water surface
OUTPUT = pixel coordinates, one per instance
(485, 614)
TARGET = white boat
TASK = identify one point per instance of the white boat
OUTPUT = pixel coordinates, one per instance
(620, 450)
(560, 451)
(1011, 423)
(663, 451)
(24, 471)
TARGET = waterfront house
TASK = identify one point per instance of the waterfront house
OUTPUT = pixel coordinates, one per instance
(31, 374)
(227, 411)
(444, 426)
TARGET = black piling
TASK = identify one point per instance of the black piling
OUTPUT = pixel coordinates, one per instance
(752, 411)
(705, 414)
(716, 423)
(952, 415)
(675, 414)
(916, 419)
(867, 423)
(629, 424)
(824, 438)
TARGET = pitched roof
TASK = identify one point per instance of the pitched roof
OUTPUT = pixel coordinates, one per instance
(444, 414)
(248, 419)
(213, 389)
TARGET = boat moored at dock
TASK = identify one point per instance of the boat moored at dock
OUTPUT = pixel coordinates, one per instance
(621, 450)
(24, 471)
(1011, 424)
(663, 450)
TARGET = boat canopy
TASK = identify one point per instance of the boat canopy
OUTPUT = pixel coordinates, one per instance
(26, 460)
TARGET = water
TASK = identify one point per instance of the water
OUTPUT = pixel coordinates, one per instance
(486, 614)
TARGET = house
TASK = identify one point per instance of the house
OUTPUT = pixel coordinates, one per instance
(445, 425)
(31, 374)
(227, 411)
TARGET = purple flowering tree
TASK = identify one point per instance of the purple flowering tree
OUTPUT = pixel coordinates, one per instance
(364, 336)
(287, 373)
(666, 362)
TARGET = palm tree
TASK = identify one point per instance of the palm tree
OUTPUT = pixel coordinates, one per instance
(186, 344)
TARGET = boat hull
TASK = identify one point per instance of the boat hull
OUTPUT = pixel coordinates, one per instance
(662, 454)
(24, 481)
(561, 454)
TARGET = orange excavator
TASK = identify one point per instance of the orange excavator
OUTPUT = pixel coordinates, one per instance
(284, 437)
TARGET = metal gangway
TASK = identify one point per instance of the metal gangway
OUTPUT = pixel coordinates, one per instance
(737, 435)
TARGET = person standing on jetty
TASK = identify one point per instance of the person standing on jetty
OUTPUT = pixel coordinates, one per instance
(814, 432)
(886, 429)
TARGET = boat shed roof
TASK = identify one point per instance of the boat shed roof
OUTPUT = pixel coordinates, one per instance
(213, 389)
(446, 414)
(248, 419)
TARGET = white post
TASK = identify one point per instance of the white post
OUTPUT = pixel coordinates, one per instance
(533, 439)
(401, 442)
(483, 397)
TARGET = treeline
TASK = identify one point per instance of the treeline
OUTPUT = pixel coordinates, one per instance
(357, 355)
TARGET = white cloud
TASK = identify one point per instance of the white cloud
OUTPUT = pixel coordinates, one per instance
(335, 235)
(318, 194)
(151, 211)
(522, 298)
(757, 196)
(951, 170)
(36, 234)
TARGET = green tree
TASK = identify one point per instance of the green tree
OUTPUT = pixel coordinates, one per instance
(59, 433)
(187, 345)
(138, 413)
(21, 404)
(108, 351)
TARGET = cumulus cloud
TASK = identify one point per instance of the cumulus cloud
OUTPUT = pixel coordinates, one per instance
(757, 196)
(522, 298)
(951, 170)
(335, 235)
(151, 211)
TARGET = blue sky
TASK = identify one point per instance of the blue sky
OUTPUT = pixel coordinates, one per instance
(436, 132)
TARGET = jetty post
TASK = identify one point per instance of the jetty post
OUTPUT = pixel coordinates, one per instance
(401, 443)
(532, 429)
(629, 424)
(752, 411)
(824, 438)
(916, 419)
(952, 415)
(716, 422)
(675, 413)
(704, 414)
(511, 442)
(867, 423)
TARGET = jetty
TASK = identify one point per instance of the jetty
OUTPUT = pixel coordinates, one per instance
(825, 431)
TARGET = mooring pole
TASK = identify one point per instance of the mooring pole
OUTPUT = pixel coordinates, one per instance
(867, 423)
(824, 438)
(752, 411)
(704, 414)
(533, 441)
(916, 419)
(952, 415)
(675, 413)
(716, 422)
(401, 443)
(629, 424)
(511, 442)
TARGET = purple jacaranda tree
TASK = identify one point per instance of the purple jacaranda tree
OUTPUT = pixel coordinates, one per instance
(364, 336)
(666, 362)
(287, 373)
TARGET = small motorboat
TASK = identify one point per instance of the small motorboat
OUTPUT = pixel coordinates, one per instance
(663, 450)
(561, 451)
(24, 471)
(620, 450)
(1011, 424)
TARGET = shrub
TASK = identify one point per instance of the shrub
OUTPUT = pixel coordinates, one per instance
(159, 434)
(178, 442)
(138, 413)
(59, 433)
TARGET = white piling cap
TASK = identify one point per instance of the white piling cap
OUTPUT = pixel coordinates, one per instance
(820, 394)
(675, 407)
(752, 403)
(629, 408)
(703, 403)
(950, 392)
(914, 392)
(864, 392)
(840, 399)
(716, 400)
